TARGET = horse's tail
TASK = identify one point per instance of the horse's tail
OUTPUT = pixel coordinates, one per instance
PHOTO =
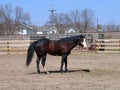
(30, 53)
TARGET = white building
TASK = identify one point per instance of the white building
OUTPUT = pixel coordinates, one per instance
(71, 30)
(47, 31)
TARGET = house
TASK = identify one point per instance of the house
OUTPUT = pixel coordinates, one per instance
(47, 30)
(25, 29)
(52, 31)
(41, 32)
(71, 30)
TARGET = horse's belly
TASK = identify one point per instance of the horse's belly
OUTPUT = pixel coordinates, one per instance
(54, 53)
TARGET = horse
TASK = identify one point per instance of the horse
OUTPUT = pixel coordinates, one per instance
(61, 47)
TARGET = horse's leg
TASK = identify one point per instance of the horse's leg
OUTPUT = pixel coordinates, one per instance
(43, 64)
(62, 62)
(38, 62)
(66, 64)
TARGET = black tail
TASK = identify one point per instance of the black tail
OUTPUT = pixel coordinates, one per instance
(30, 53)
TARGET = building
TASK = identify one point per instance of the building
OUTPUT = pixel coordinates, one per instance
(47, 31)
(25, 29)
(71, 30)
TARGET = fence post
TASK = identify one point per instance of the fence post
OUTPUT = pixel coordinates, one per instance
(95, 46)
(7, 47)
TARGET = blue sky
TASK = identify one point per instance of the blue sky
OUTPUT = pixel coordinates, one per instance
(105, 10)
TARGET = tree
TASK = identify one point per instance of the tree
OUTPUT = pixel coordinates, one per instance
(111, 27)
(87, 16)
(60, 21)
(10, 18)
(81, 20)
(99, 26)
(76, 18)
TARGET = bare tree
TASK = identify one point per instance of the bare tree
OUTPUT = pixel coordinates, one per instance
(76, 18)
(112, 27)
(1, 20)
(10, 18)
(61, 21)
(7, 15)
(81, 20)
(87, 16)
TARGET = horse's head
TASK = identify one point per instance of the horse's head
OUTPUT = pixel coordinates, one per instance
(82, 41)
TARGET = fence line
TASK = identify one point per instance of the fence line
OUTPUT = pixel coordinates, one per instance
(9, 47)
(12, 47)
(107, 45)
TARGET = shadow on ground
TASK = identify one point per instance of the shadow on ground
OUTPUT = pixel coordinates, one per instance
(57, 71)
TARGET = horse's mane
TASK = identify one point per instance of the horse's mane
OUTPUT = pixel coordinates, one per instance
(71, 38)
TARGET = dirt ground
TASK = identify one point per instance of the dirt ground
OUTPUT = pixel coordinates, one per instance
(87, 71)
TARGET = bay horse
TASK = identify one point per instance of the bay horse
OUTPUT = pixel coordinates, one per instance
(61, 47)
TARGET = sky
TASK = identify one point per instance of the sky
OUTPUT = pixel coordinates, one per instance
(106, 11)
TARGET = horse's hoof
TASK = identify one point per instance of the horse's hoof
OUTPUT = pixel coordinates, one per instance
(46, 72)
(38, 72)
(66, 71)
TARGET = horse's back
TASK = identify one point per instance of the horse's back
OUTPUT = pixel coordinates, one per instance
(42, 45)
(43, 40)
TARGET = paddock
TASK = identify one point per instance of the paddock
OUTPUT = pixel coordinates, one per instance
(87, 71)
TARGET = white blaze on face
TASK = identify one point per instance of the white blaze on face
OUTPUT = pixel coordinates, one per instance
(84, 43)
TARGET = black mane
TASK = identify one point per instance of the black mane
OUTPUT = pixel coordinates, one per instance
(72, 38)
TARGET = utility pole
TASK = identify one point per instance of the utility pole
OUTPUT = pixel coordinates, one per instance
(52, 16)
(97, 23)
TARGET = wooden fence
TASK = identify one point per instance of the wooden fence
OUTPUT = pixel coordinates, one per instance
(107, 45)
(8, 47)
(15, 47)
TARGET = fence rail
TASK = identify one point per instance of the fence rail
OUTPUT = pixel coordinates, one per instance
(10, 47)
(108, 45)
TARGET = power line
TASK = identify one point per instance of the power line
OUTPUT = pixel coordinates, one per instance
(52, 15)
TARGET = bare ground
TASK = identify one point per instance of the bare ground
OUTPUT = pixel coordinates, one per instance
(87, 71)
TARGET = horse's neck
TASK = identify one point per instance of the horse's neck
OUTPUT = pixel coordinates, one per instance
(73, 44)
